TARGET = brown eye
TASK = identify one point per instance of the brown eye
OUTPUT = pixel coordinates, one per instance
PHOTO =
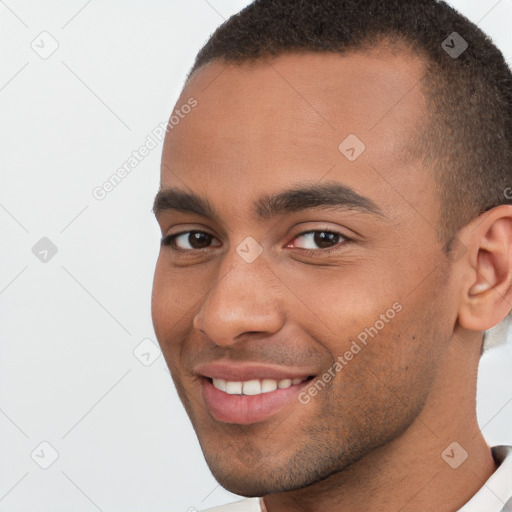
(188, 240)
(319, 240)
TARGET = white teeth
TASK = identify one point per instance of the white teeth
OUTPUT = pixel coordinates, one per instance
(268, 385)
(233, 388)
(220, 384)
(255, 386)
(285, 383)
(252, 387)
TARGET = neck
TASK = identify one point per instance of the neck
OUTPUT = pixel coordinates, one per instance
(422, 469)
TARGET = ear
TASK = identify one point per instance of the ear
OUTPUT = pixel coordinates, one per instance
(487, 287)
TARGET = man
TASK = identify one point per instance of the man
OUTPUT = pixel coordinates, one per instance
(336, 239)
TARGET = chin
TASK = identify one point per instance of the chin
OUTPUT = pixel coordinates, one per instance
(245, 477)
(250, 485)
(265, 475)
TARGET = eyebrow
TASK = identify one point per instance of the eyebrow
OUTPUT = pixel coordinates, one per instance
(301, 197)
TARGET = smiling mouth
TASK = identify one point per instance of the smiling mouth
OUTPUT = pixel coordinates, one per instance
(255, 386)
(251, 401)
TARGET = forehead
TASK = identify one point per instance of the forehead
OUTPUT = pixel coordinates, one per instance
(263, 123)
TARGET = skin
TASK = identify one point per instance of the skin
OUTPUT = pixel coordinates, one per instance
(372, 438)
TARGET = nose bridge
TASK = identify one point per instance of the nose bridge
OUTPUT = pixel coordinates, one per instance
(239, 300)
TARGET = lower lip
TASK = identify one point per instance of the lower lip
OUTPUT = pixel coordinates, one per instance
(244, 409)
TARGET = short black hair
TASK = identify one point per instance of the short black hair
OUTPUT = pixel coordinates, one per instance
(466, 137)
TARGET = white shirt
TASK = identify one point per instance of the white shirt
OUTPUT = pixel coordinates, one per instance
(494, 496)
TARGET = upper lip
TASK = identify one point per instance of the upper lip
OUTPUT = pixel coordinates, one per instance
(241, 372)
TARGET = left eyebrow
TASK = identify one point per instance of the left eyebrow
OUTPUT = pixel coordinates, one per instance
(301, 197)
(314, 196)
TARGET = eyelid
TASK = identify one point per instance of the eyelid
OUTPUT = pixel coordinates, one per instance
(170, 239)
(321, 252)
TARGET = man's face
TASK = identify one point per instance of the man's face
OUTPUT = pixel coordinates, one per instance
(286, 290)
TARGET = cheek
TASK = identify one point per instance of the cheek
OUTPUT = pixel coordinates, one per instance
(388, 338)
(174, 293)
(340, 305)
(397, 364)
(384, 386)
(171, 308)
(161, 305)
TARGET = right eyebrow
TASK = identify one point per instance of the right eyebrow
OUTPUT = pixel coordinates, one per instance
(170, 199)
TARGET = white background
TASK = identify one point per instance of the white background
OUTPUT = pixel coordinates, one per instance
(68, 375)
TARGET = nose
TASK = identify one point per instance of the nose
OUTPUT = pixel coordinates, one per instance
(243, 300)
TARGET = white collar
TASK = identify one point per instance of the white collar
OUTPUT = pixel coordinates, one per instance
(496, 493)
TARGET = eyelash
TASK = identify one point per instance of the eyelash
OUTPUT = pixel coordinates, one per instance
(170, 241)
